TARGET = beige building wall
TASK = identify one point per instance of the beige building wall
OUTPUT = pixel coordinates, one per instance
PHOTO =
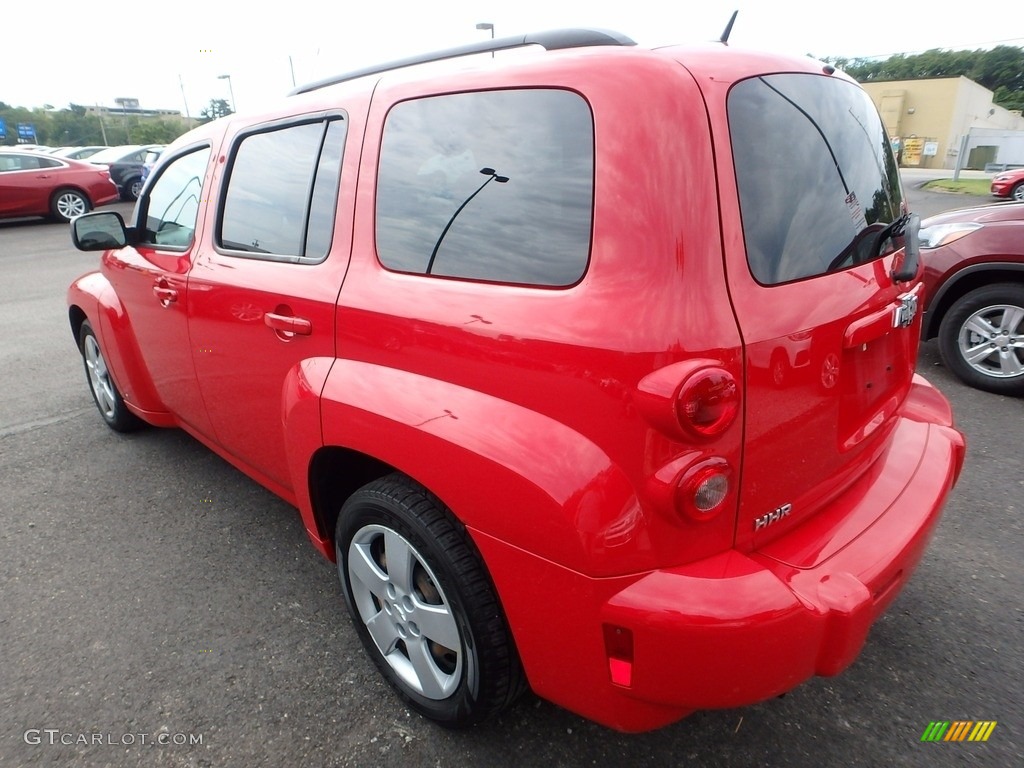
(935, 115)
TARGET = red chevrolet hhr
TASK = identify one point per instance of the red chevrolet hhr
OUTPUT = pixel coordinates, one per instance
(593, 369)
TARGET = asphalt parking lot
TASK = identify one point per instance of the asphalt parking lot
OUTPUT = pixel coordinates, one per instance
(158, 602)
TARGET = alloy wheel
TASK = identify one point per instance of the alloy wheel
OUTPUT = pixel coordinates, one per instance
(992, 341)
(99, 377)
(71, 204)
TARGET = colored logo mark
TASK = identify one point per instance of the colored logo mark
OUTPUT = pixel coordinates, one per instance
(958, 730)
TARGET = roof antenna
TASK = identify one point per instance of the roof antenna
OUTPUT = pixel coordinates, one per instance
(728, 29)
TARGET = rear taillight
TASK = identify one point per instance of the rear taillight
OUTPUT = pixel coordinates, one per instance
(689, 399)
(708, 402)
(693, 402)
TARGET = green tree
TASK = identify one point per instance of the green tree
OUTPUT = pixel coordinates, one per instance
(158, 131)
(215, 109)
(1000, 69)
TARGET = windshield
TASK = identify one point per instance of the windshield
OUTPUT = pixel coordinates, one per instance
(817, 180)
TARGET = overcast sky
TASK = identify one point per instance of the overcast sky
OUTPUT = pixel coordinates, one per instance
(148, 50)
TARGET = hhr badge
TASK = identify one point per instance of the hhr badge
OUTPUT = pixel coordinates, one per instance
(772, 517)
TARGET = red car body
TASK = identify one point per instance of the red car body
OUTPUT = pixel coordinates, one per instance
(551, 421)
(30, 183)
(1009, 184)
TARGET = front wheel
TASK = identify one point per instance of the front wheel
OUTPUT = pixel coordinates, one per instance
(981, 338)
(104, 392)
(423, 605)
(1017, 193)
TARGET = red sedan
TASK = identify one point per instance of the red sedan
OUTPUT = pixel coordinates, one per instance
(1009, 184)
(34, 184)
(974, 284)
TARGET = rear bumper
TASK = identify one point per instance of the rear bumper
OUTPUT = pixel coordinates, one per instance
(110, 195)
(738, 628)
(741, 627)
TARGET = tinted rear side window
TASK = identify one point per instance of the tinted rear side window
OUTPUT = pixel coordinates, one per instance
(817, 179)
(494, 186)
(282, 191)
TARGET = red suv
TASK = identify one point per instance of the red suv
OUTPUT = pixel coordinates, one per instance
(504, 336)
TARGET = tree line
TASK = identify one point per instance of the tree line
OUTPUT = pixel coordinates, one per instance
(1000, 69)
(75, 127)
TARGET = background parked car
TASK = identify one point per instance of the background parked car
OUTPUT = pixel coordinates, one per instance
(31, 148)
(125, 164)
(36, 184)
(974, 282)
(78, 153)
(150, 160)
(1009, 184)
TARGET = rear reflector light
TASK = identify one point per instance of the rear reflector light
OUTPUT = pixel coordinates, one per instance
(708, 402)
(710, 491)
(618, 644)
(702, 491)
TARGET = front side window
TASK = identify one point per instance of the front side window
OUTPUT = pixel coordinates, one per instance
(817, 179)
(494, 186)
(282, 191)
(172, 203)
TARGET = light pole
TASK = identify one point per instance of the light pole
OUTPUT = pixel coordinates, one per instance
(486, 25)
(491, 175)
(234, 106)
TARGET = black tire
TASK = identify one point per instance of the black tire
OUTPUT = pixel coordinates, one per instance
(101, 384)
(132, 188)
(1017, 193)
(997, 364)
(441, 598)
(68, 203)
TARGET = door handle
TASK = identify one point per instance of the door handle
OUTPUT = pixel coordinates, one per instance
(288, 324)
(164, 294)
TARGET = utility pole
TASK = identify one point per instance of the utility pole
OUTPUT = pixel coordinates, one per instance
(103, 128)
(188, 117)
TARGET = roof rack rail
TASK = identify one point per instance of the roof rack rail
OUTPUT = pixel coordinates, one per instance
(554, 40)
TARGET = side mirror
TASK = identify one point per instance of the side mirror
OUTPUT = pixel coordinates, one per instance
(99, 231)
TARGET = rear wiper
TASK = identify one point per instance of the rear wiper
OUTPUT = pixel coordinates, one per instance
(879, 234)
(911, 248)
(892, 230)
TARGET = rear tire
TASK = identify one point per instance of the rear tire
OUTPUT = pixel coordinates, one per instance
(66, 204)
(104, 391)
(981, 338)
(423, 604)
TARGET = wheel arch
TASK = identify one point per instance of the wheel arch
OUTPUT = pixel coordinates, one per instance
(335, 473)
(73, 188)
(76, 316)
(963, 282)
(92, 297)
